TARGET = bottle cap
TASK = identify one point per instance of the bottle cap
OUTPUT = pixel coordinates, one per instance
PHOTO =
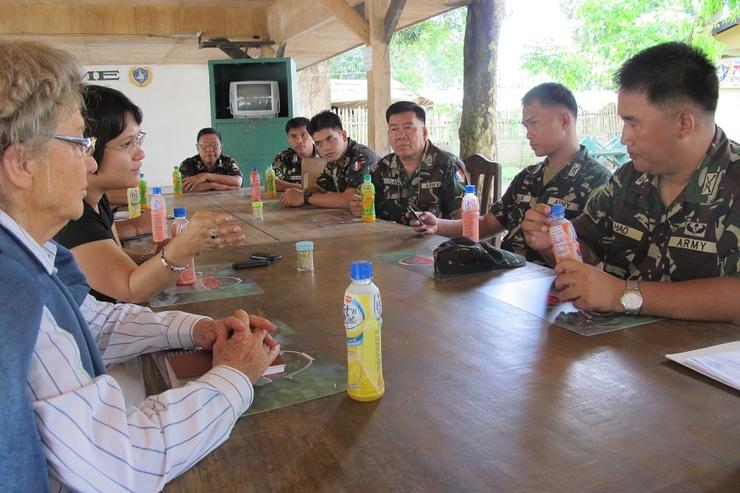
(141, 175)
(366, 178)
(180, 212)
(157, 191)
(469, 188)
(254, 168)
(360, 270)
(304, 246)
(557, 210)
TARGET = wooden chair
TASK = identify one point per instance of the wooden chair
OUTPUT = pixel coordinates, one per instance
(486, 176)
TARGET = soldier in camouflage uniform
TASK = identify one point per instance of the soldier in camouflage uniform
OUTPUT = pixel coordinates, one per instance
(287, 164)
(347, 161)
(209, 169)
(567, 176)
(417, 173)
(667, 225)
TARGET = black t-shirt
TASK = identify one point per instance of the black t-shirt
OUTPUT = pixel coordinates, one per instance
(90, 227)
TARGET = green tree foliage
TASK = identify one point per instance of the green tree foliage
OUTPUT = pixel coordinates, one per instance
(608, 32)
(425, 54)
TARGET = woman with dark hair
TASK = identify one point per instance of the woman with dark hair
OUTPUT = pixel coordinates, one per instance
(113, 275)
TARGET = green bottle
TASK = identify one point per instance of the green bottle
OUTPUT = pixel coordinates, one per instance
(177, 181)
(367, 194)
(270, 182)
(143, 197)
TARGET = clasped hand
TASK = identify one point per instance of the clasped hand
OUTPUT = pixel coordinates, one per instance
(241, 341)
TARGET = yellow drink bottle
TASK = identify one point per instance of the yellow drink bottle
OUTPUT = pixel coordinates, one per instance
(367, 194)
(363, 321)
(134, 204)
(270, 182)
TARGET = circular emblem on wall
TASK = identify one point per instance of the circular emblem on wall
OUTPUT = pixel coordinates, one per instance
(140, 76)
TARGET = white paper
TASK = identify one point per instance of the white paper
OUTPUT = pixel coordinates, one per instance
(721, 362)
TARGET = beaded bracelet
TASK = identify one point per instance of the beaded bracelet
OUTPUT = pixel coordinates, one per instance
(170, 266)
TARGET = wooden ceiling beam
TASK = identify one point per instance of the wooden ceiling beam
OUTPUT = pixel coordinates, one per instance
(392, 17)
(142, 20)
(349, 16)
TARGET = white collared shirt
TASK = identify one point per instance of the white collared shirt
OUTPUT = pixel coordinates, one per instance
(91, 441)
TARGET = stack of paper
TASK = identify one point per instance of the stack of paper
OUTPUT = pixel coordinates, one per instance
(721, 362)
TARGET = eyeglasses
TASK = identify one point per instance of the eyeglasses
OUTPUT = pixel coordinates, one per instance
(130, 144)
(86, 144)
(207, 147)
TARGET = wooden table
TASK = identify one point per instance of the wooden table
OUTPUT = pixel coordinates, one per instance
(480, 396)
(278, 223)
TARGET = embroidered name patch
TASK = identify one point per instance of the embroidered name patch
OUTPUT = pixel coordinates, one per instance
(692, 244)
(431, 184)
(624, 230)
(567, 205)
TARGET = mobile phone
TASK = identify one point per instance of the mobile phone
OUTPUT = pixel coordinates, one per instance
(415, 213)
(270, 257)
(252, 262)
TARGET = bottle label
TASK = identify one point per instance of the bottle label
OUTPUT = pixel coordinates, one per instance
(363, 321)
(134, 205)
(564, 242)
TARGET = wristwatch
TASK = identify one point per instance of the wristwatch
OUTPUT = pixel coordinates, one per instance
(306, 196)
(631, 299)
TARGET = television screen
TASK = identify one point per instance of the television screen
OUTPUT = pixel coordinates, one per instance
(254, 97)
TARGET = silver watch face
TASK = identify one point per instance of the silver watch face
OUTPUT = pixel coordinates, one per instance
(631, 301)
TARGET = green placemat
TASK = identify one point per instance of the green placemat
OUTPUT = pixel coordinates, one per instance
(309, 374)
(214, 282)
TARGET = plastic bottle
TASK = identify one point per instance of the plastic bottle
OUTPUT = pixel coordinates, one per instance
(470, 213)
(367, 194)
(254, 185)
(144, 199)
(363, 322)
(270, 182)
(177, 181)
(158, 206)
(187, 277)
(134, 202)
(563, 235)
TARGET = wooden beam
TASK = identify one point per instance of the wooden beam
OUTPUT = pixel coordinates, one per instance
(391, 18)
(349, 16)
(144, 20)
(379, 78)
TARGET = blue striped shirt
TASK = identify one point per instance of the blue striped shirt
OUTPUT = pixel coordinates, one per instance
(91, 440)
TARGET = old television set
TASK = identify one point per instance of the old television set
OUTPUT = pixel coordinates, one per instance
(254, 99)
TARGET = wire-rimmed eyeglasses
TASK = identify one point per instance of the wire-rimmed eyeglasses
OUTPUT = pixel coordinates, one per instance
(86, 144)
(130, 144)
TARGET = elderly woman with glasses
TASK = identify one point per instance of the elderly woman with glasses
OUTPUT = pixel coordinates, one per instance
(112, 272)
(65, 423)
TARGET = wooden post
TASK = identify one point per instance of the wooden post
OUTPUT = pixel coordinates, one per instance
(379, 78)
(479, 78)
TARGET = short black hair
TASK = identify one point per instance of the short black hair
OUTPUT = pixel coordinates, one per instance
(208, 131)
(670, 72)
(403, 107)
(297, 122)
(552, 94)
(105, 115)
(325, 119)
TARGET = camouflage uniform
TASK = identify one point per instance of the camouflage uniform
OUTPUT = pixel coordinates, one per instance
(224, 166)
(636, 237)
(346, 172)
(437, 185)
(287, 165)
(571, 186)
